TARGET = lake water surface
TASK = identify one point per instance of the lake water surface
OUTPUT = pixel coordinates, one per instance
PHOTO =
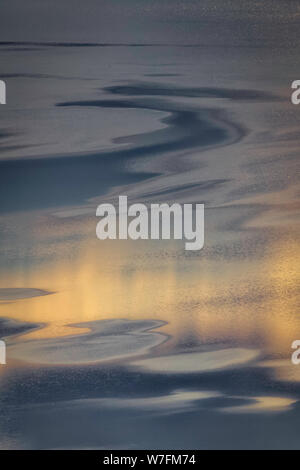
(141, 344)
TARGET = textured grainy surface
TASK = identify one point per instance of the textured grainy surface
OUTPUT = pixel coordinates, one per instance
(142, 344)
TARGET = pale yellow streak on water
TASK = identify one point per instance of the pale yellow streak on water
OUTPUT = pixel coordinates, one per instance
(207, 298)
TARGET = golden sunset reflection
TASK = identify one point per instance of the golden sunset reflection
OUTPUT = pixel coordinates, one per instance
(248, 301)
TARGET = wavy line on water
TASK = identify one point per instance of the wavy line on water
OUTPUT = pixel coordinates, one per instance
(74, 179)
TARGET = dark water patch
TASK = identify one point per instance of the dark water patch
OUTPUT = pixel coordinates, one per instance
(10, 327)
(72, 180)
(41, 384)
(52, 44)
(163, 410)
(90, 425)
(17, 293)
(203, 45)
(152, 89)
(43, 76)
(162, 75)
(5, 134)
(54, 182)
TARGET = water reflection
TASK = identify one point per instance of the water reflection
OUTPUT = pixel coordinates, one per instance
(248, 302)
(141, 344)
